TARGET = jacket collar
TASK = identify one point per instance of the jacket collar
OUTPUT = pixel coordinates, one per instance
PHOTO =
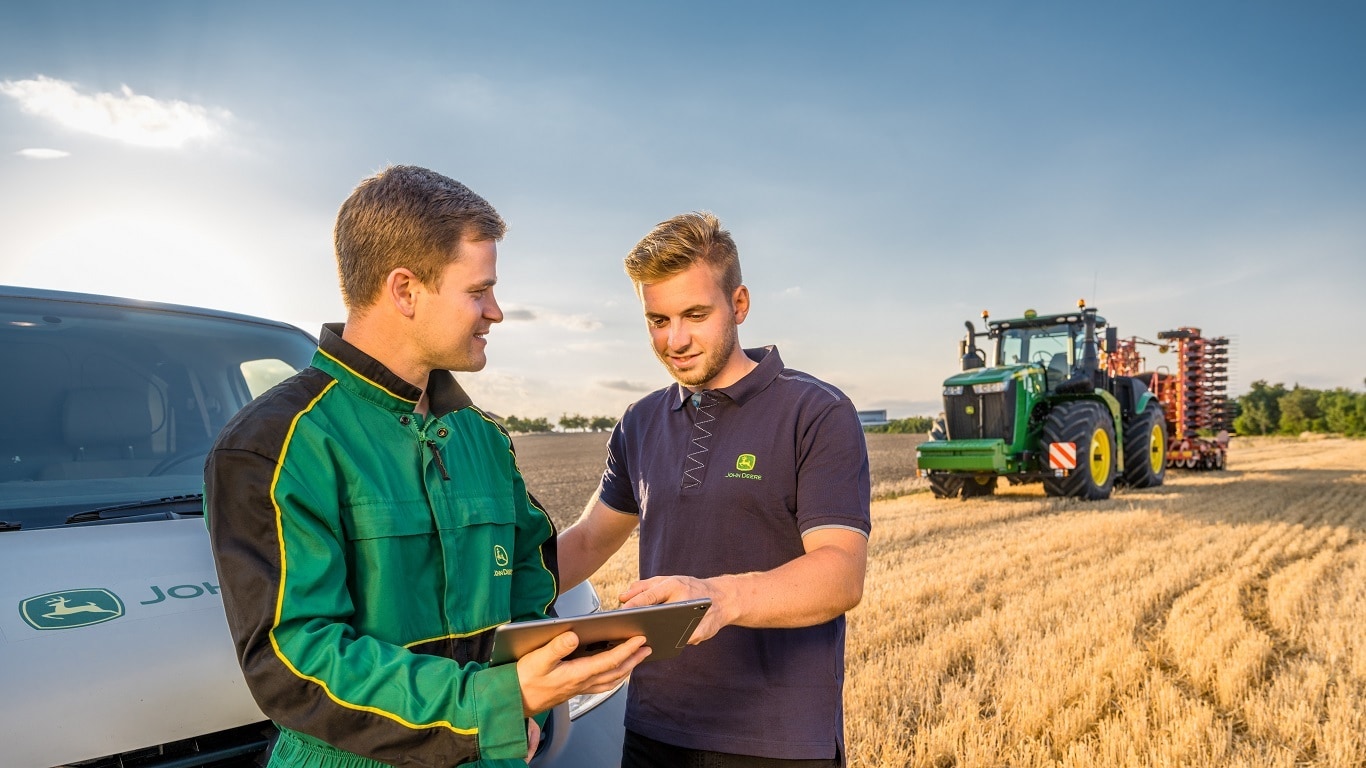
(369, 379)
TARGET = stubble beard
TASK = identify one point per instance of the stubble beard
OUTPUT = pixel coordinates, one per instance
(713, 362)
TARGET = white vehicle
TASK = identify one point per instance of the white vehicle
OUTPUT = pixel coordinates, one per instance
(114, 651)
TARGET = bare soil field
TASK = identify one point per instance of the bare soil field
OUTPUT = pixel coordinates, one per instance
(1219, 620)
(562, 470)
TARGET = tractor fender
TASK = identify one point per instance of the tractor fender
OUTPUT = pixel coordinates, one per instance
(1116, 410)
(1133, 394)
(1145, 398)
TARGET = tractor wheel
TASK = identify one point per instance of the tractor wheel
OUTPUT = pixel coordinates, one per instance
(1145, 448)
(1088, 425)
(946, 485)
(979, 485)
(939, 428)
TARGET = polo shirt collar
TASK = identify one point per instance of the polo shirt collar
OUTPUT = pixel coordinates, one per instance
(371, 380)
(749, 385)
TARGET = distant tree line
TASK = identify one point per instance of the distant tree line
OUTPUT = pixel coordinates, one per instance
(1268, 409)
(909, 425)
(1271, 409)
(567, 423)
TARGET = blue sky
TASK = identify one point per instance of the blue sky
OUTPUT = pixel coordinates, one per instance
(888, 170)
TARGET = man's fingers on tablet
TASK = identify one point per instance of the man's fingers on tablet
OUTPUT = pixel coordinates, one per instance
(565, 643)
(654, 594)
(613, 658)
(613, 664)
(553, 652)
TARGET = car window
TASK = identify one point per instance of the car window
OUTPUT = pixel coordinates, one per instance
(261, 375)
(106, 405)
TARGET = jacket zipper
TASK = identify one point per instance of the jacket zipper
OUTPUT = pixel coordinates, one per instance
(436, 453)
(441, 465)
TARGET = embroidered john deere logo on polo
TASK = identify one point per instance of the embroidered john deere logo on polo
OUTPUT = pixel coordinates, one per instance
(71, 608)
(744, 465)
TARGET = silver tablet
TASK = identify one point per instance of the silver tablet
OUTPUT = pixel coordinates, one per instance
(666, 628)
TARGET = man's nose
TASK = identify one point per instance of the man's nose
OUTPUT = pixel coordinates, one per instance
(679, 337)
(492, 312)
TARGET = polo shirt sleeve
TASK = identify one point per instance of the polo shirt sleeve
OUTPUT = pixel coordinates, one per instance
(616, 490)
(833, 488)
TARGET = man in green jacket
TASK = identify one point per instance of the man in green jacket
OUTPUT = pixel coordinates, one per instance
(370, 525)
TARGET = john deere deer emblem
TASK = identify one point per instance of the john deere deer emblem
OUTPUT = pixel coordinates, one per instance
(745, 462)
(71, 608)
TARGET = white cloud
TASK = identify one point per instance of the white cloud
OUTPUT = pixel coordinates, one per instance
(626, 385)
(39, 153)
(580, 322)
(126, 116)
(584, 323)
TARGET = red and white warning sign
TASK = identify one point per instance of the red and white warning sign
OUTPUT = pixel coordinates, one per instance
(1062, 455)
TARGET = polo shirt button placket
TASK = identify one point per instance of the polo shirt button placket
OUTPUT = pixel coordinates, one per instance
(695, 462)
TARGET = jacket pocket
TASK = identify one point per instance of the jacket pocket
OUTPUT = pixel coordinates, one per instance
(479, 535)
(384, 519)
(463, 511)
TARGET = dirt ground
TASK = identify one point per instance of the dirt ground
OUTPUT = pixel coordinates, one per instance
(562, 470)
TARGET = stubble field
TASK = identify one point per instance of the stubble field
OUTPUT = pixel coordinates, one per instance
(1219, 620)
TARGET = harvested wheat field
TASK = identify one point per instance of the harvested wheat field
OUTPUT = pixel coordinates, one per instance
(1219, 620)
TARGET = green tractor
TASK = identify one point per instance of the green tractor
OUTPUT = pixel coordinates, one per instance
(1046, 410)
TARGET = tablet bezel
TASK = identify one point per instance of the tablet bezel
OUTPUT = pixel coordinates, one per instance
(666, 627)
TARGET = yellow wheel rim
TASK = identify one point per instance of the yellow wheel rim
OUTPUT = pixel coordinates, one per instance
(1157, 448)
(1100, 457)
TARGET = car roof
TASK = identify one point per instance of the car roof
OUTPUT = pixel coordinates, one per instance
(71, 297)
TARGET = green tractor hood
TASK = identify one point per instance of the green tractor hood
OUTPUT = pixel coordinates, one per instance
(985, 376)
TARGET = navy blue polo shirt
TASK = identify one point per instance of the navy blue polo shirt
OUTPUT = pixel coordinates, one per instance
(727, 481)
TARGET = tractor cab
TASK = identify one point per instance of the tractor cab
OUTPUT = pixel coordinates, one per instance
(1054, 343)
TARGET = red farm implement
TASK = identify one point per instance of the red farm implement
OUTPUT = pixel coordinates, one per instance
(1193, 393)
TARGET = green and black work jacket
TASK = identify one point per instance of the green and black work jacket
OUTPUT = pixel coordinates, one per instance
(365, 554)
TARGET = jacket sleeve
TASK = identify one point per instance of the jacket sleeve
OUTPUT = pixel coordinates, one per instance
(281, 562)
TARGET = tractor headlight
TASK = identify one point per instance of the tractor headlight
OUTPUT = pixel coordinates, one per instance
(951, 391)
(987, 389)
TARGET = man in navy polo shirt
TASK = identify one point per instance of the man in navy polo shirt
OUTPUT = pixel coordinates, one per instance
(749, 482)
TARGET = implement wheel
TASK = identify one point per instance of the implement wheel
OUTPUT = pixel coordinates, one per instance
(979, 485)
(1145, 448)
(1088, 425)
(946, 486)
(954, 485)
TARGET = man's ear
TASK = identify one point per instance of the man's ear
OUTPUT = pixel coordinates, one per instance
(401, 287)
(739, 301)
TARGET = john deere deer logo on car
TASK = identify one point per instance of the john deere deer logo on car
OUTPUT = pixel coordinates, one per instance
(71, 608)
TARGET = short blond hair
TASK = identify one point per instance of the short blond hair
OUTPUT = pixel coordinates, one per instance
(676, 244)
